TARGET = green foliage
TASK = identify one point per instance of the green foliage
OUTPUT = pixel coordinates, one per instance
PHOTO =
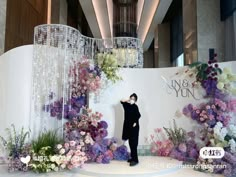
(202, 68)
(46, 139)
(15, 142)
(175, 134)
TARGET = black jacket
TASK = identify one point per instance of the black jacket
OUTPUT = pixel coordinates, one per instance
(132, 116)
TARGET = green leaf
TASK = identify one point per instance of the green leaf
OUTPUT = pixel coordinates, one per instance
(195, 64)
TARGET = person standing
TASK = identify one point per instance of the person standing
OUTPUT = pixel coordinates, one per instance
(131, 126)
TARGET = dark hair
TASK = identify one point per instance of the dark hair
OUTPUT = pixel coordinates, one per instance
(135, 96)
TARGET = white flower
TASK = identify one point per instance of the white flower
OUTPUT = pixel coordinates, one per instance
(219, 132)
(53, 166)
(224, 132)
(219, 124)
(232, 144)
(53, 158)
(62, 151)
(82, 133)
(232, 130)
(63, 166)
(81, 143)
(59, 146)
(87, 141)
(56, 169)
(211, 170)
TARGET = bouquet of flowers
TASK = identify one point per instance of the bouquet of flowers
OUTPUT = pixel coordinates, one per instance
(17, 148)
(85, 78)
(160, 145)
(88, 122)
(108, 64)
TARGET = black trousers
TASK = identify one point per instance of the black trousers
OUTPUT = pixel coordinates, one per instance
(133, 143)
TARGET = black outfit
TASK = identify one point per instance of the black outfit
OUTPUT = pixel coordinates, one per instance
(131, 133)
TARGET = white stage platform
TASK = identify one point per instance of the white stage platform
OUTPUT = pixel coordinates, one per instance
(149, 166)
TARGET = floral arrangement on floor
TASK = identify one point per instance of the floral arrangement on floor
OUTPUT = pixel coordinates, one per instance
(17, 148)
(108, 64)
(160, 144)
(179, 144)
(84, 140)
(90, 124)
(105, 150)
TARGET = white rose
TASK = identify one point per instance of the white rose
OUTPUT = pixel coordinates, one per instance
(63, 166)
(87, 141)
(82, 133)
(52, 158)
(53, 166)
(59, 146)
(62, 151)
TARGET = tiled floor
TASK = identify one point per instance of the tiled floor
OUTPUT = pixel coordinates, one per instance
(149, 166)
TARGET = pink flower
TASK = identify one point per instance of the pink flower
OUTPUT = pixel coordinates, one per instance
(158, 143)
(70, 153)
(66, 145)
(78, 147)
(158, 130)
(232, 105)
(72, 143)
(202, 119)
(211, 117)
(70, 167)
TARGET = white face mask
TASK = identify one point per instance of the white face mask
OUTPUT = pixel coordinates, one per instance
(132, 101)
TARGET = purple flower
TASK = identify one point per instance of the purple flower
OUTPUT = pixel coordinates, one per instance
(121, 153)
(106, 159)
(191, 134)
(193, 153)
(96, 148)
(230, 158)
(103, 124)
(182, 147)
(99, 159)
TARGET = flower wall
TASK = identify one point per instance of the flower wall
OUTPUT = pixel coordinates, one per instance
(215, 117)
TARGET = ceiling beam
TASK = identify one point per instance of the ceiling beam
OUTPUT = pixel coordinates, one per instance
(90, 15)
(152, 15)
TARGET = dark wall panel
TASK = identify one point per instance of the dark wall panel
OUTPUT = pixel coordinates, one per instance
(22, 16)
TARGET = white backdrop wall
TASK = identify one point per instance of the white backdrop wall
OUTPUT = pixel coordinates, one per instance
(157, 104)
